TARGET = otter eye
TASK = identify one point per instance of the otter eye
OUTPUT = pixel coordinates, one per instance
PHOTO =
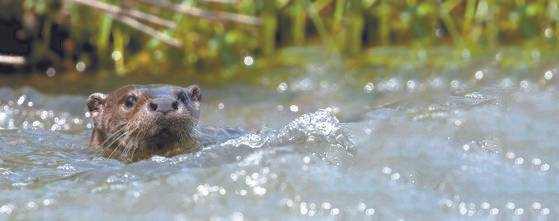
(130, 101)
(182, 97)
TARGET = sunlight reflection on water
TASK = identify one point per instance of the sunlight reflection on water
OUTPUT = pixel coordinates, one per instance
(439, 148)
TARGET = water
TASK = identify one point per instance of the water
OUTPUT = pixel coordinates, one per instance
(317, 146)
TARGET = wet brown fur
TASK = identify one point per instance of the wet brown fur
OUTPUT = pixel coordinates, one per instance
(136, 133)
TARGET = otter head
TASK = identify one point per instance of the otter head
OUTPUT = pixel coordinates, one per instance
(136, 122)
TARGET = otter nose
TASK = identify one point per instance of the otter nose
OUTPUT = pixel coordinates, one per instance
(163, 105)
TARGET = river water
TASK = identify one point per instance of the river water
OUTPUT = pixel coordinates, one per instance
(318, 146)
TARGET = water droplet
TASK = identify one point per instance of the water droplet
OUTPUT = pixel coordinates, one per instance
(326, 205)
(411, 84)
(536, 205)
(248, 60)
(335, 212)
(536, 161)
(524, 84)
(479, 75)
(544, 167)
(51, 72)
(386, 170)
(116, 55)
(294, 108)
(7, 209)
(369, 87)
(548, 75)
(510, 205)
(21, 99)
(510, 155)
(80, 66)
(282, 87)
(548, 32)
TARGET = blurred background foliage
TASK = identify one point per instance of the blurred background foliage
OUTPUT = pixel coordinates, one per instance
(166, 36)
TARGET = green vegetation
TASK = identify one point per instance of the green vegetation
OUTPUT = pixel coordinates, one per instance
(218, 36)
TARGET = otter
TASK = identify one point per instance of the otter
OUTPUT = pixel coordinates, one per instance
(136, 122)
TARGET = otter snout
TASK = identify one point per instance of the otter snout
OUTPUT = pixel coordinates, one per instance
(163, 105)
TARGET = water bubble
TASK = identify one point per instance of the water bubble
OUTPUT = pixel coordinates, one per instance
(248, 60)
(545, 211)
(289, 203)
(7, 209)
(462, 208)
(243, 192)
(370, 212)
(259, 190)
(519, 161)
(519, 211)
(303, 208)
(510, 205)
(80, 66)
(524, 84)
(494, 211)
(510, 155)
(294, 108)
(335, 212)
(485, 205)
(31, 204)
(411, 84)
(369, 87)
(362, 206)
(536, 205)
(116, 55)
(536, 161)
(47, 202)
(548, 32)
(326, 205)
(386, 170)
(454, 84)
(548, 75)
(395, 176)
(51, 72)
(466, 147)
(544, 167)
(282, 87)
(306, 159)
(479, 75)
(21, 99)
(220, 106)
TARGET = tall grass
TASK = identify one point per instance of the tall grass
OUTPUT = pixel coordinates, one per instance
(347, 27)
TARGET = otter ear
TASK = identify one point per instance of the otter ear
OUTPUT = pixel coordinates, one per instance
(95, 101)
(194, 92)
